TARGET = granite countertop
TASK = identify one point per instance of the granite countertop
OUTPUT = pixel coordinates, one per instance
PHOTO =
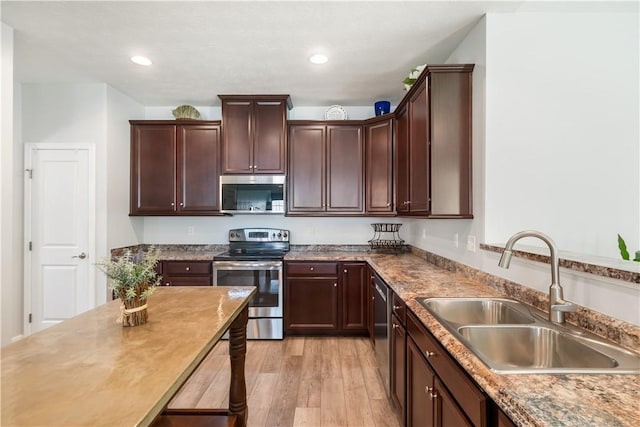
(529, 400)
(91, 371)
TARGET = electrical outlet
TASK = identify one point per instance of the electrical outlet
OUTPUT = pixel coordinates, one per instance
(191, 230)
(471, 243)
(455, 240)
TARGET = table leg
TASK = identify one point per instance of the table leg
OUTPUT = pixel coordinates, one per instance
(237, 352)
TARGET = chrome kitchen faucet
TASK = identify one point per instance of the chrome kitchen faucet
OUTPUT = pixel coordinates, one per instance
(557, 305)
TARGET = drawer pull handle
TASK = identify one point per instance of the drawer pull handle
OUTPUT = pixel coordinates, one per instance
(395, 326)
(168, 284)
(396, 307)
(188, 268)
(429, 353)
(311, 268)
(345, 270)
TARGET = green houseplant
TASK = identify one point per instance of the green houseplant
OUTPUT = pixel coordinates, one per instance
(133, 280)
(413, 76)
(624, 253)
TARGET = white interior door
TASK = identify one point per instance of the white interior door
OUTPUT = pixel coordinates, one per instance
(59, 229)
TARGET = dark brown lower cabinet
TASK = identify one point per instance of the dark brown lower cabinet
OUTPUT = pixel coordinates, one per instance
(420, 377)
(504, 421)
(353, 284)
(398, 365)
(448, 413)
(186, 273)
(325, 298)
(370, 306)
(439, 392)
(311, 304)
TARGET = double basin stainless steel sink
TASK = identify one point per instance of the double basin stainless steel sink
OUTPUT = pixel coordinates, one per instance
(512, 338)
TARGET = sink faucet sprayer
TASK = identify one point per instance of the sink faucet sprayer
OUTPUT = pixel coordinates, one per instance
(557, 305)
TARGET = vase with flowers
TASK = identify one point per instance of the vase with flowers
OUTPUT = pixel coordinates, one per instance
(133, 280)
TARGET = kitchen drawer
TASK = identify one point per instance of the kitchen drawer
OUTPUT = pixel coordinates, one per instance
(312, 269)
(467, 394)
(182, 268)
(187, 281)
(399, 309)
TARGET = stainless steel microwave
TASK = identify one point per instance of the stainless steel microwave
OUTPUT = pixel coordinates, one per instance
(252, 194)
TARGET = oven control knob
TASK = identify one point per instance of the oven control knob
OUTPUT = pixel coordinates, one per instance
(279, 235)
(284, 234)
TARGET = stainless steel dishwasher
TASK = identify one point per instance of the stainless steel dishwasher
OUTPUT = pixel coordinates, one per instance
(381, 330)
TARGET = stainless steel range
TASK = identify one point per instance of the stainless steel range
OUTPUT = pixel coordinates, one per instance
(255, 258)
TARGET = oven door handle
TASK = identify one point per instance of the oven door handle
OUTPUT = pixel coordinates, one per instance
(247, 265)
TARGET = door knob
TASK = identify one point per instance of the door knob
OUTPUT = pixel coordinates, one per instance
(81, 256)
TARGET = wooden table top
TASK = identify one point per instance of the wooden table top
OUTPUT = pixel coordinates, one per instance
(91, 371)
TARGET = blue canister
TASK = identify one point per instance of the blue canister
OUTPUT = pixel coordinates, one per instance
(382, 107)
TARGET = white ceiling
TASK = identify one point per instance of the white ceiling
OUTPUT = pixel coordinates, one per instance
(201, 49)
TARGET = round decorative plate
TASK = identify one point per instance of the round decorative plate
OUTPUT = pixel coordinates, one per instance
(335, 112)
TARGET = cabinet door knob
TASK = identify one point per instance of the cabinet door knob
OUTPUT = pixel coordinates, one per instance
(188, 268)
(335, 285)
(173, 204)
(181, 204)
(396, 326)
(428, 389)
(396, 307)
(311, 268)
(168, 284)
(429, 353)
(345, 270)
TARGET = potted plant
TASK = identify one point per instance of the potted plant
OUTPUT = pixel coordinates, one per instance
(133, 280)
(624, 253)
(413, 76)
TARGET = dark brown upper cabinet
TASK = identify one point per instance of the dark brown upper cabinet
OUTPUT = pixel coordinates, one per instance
(174, 167)
(326, 168)
(378, 146)
(254, 133)
(434, 144)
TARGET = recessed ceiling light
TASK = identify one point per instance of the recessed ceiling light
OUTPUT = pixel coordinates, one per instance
(141, 60)
(318, 58)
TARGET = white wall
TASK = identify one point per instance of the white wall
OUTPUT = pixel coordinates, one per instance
(10, 178)
(563, 119)
(296, 113)
(64, 113)
(214, 230)
(122, 230)
(164, 113)
(487, 48)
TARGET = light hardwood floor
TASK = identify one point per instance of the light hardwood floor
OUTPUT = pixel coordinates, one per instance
(299, 381)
